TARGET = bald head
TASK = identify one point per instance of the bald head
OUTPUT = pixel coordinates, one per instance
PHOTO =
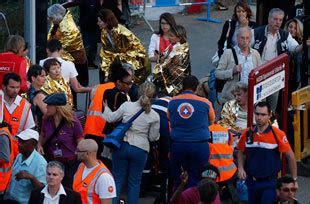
(89, 145)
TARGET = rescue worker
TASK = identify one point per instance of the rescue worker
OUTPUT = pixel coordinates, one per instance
(16, 109)
(115, 92)
(260, 146)
(221, 152)
(222, 156)
(6, 158)
(190, 117)
(92, 179)
(12, 60)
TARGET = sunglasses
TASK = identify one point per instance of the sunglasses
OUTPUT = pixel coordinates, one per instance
(286, 190)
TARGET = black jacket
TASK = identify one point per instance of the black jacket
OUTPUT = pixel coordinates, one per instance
(222, 39)
(261, 39)
(37, 197)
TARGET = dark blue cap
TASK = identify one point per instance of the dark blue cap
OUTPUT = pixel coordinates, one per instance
(56, 99)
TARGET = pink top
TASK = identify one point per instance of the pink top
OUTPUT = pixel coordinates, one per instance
(191, 195)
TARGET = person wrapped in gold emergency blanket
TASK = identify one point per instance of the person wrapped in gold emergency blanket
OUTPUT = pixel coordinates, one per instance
(65, 30)
(119, 42)
(175, 63)
(54, 82)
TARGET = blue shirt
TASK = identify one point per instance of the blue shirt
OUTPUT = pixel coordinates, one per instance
(20, 190)
(190, 117)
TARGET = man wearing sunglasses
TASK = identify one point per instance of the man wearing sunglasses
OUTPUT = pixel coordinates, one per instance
(259, 157)
(286, 190)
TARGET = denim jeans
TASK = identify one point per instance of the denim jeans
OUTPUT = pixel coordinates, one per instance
(128, 162)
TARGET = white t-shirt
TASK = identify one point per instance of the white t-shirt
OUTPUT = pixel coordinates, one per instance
(68, 70)
(105, 186)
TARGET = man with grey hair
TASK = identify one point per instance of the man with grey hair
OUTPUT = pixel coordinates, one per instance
(271, 41)
(236, 63)
(54, 192)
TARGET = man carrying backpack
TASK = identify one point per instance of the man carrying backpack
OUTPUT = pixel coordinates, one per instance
(236, 63)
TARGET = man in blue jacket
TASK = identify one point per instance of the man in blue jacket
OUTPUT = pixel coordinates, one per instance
(190, 117)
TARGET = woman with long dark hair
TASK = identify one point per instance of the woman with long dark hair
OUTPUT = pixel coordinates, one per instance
(160, 40)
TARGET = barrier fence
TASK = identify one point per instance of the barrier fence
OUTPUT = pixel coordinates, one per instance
(138, 8)
(301, 106)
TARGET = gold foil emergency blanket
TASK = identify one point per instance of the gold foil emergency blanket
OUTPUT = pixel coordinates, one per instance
(69, 35)
(57, 85)
(170, 74)
(229, 115)
(128, 48)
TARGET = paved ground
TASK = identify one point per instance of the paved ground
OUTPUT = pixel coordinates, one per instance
(202, 37)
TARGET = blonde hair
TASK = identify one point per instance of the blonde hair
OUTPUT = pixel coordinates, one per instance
(66, 113)
(299, 29)
(14, 43)
(146, 92)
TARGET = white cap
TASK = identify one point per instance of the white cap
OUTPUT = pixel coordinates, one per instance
(28, 134)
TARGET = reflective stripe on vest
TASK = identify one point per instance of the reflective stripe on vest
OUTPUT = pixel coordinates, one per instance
(87, 186)
(91, 189)
(20, 114)
(221, 154)
(227, 168)
(95, 124)
(6, 167)
(17, 120)
(24, 117)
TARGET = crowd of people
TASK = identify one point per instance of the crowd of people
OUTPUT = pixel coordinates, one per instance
(50, 154)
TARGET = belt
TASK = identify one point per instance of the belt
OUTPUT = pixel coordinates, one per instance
(268, 178)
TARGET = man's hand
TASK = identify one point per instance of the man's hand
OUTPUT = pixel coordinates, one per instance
(23, 175)
(241, 174)
(237, 68)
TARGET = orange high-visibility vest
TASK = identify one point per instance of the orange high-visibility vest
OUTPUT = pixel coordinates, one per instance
(17, 120)
(221, 153)
(95, 124)
(6, 167)
(86, 187)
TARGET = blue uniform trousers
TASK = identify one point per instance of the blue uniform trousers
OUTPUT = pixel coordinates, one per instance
(192, 157)
(261, 192)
